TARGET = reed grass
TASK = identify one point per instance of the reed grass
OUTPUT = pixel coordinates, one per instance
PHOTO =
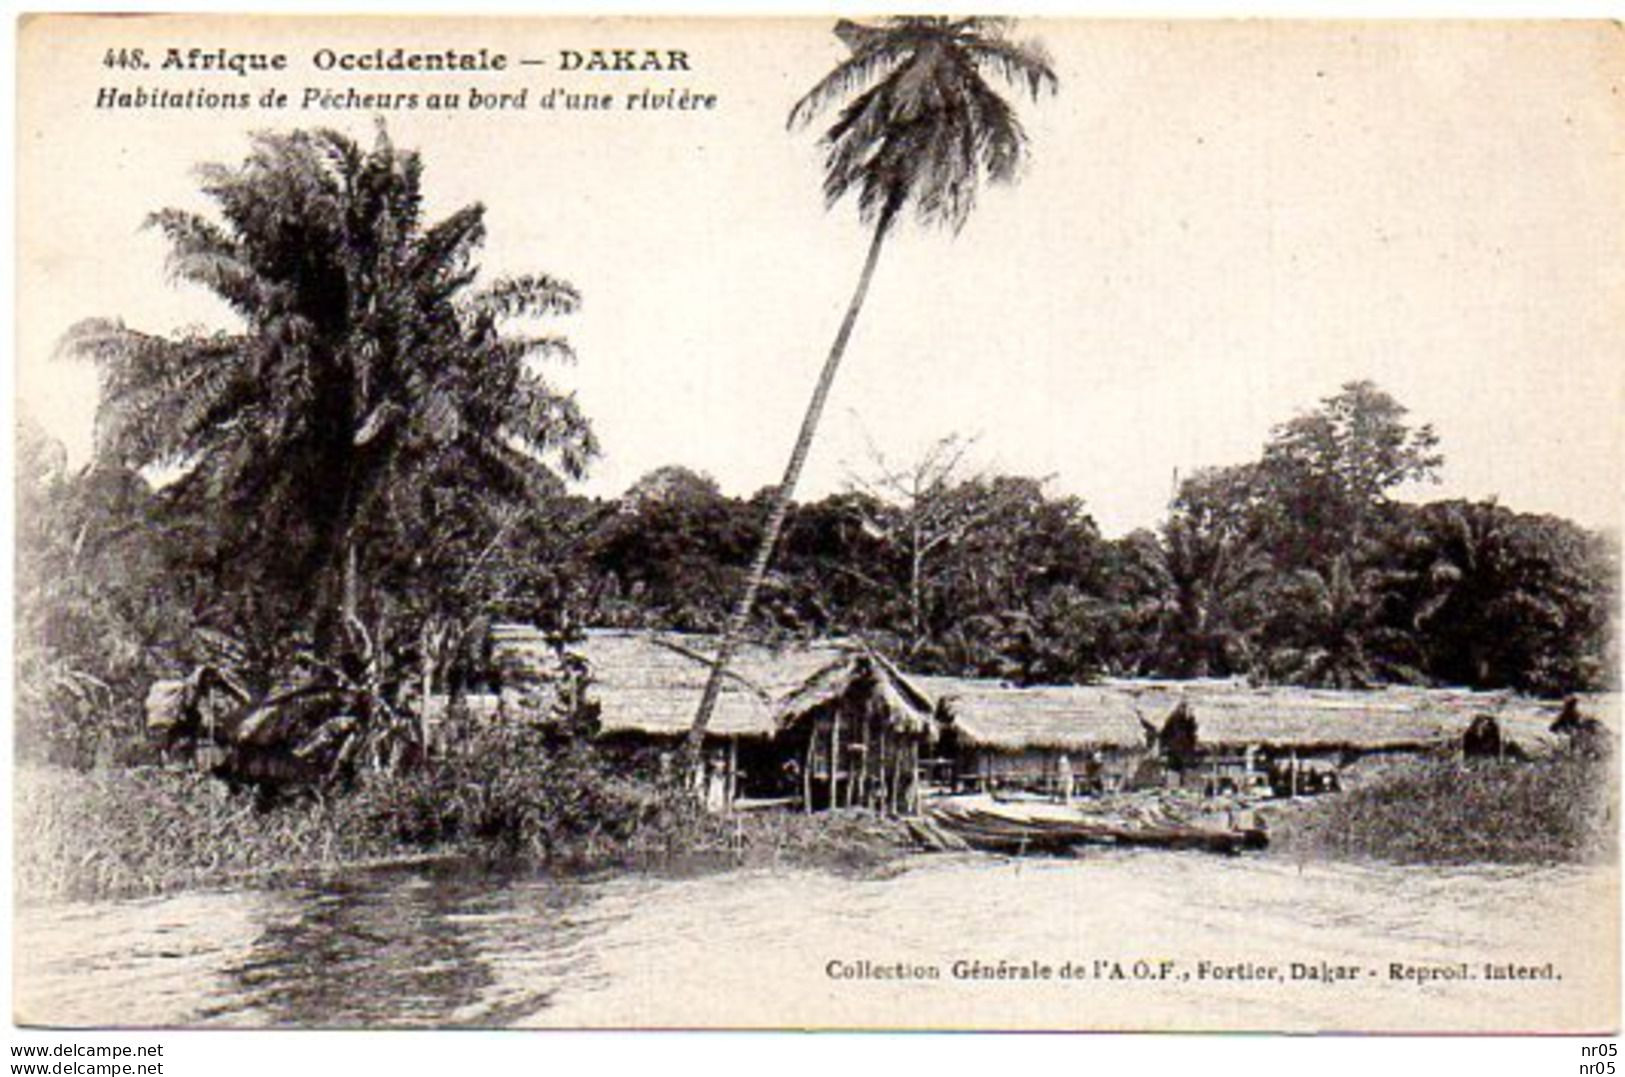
(111, 833)
(855, 841)
(84, 835)
(1557, 810)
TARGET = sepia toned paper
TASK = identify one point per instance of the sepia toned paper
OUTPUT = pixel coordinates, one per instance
(1219, 224)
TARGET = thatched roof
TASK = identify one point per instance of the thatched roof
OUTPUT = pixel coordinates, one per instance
(992, 714)
(650, 682)
(886, 691)
(1233, 715)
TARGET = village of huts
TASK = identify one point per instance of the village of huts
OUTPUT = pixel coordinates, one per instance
(814, 725)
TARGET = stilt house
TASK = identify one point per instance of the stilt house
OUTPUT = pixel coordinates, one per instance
(858, 732)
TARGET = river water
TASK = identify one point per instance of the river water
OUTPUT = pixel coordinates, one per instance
(787, 948)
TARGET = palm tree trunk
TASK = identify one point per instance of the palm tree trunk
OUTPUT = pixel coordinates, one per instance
(426, 664)
(781, 497)
(352, 583)
(916, 593)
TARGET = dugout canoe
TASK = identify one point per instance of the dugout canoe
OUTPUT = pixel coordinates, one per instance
(951, 824)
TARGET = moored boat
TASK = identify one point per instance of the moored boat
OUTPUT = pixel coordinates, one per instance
(1013, 826)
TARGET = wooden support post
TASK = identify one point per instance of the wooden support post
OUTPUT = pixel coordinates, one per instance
(835, 760)
(806, 771)
(914, 777)
(897, 779)
(884, 791)
(882, 786)
(889, 763)
(863, 768)
(426, 659)
(731, 786)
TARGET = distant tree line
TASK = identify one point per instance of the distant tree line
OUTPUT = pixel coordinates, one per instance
(1296, 568)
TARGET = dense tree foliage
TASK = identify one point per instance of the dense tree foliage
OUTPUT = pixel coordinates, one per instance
(344, 472)
(990, 575)
(1325, 476)
(372, 391)
(1498, 598)
(99, 610)
(370, 471)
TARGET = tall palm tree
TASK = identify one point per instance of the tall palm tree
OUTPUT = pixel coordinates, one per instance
(1503, 599)
(924, 128)
(1328, 618)
(1208, 576)
(366, 366)
(1470, 576)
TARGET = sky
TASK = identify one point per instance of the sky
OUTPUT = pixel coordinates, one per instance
(1221, 222)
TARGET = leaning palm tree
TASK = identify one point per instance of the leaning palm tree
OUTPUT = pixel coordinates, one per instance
(924, 128)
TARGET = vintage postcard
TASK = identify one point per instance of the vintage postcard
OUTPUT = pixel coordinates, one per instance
(917, 522)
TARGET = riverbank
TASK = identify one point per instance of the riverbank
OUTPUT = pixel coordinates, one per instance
(1561, 809)
(85, 836)
(103, 834)
(91, 835)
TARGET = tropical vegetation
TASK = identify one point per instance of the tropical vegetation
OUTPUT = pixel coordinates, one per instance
(321, 510)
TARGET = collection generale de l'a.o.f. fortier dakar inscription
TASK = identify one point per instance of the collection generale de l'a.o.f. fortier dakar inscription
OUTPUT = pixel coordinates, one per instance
(1165, 970)
(199, 77)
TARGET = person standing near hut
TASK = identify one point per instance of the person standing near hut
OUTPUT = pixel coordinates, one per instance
(1063, 775)
(716, 785)
(1178, 739)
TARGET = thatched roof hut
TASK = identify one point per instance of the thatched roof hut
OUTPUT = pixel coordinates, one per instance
(859, 731)
(996, 716)
(1232, 715)
(863, 681)
(832, 718)
(649, 682)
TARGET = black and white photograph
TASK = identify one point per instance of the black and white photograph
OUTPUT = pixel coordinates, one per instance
(889, 522)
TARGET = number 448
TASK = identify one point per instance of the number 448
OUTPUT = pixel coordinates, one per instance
(125, 58)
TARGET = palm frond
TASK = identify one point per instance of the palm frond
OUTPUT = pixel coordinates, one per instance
(449, 243)
(160, 397)
(518, 349)
(201, 253)
(868, 62)
(529, 295)
(550, 423)
(922, 125)
(342, 152)
(1018, 63)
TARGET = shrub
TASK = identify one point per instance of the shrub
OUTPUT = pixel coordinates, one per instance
(518, 788)
(1554, 810)
(114, 832)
